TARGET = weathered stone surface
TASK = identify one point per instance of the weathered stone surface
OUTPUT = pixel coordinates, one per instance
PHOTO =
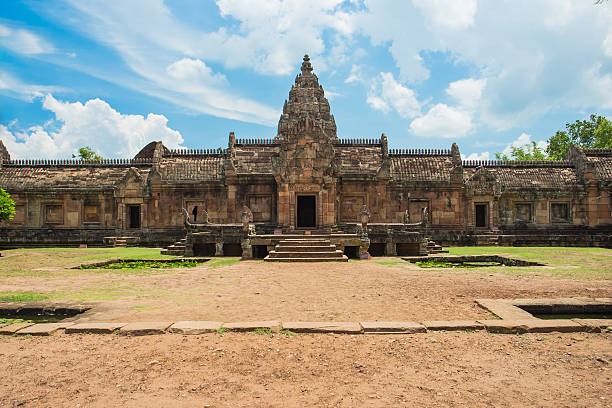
(195, 327)
(95, 328)
(532, 326)
(393, 327)
(274, 325)
(144, 328)
(453, 325)
(13, 328)
(43, 329)
(323, 327)
(505, 309)
(594, 325)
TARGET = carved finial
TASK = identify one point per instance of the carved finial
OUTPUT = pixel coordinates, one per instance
(306, 66)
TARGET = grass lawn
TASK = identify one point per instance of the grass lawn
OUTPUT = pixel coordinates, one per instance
(576, 263)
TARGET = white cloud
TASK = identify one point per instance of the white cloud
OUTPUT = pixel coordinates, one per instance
(23, 41)
(524, 141)
(467, 92)
(442, 121)
(194, 70)
(477, 156)
(537, 55)
(16, 88)
(451, 14)
(95, 124)
(388, 93)
(356, 75)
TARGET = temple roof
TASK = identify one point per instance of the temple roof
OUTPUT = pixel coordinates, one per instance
(306, 99)
(408, 168)
(528, 177)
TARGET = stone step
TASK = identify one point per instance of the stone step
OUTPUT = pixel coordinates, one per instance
(305, 248)
(173, 252)
(304, 243)
(334, 254)
(343, 259)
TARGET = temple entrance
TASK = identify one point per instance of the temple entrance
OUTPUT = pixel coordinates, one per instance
(306, 211)
(133, 216)
(481, 215)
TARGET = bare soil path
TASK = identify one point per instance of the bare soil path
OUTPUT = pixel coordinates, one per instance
(245, 370)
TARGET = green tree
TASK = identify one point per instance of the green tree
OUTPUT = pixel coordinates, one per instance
(596, 132)
(7, 206)
(527, 152)
(87, 153)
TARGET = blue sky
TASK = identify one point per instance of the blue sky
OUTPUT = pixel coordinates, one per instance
(115, 75)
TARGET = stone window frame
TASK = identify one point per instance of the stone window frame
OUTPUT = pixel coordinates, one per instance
(422, 200)
(24, 207)
(84, 213)
(44, 212)
(532, 211)
(271, 196)
(569, 211)
(342, 197)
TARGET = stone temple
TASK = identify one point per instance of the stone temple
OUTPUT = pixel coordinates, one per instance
(357, 193)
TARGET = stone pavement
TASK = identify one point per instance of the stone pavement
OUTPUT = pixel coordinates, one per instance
(199, 327)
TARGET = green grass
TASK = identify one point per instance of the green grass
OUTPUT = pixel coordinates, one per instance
(215, 263)
(262, 331)
(222, 330)
(561, 262)
(54, 261)
(18, 296)
(143, 265)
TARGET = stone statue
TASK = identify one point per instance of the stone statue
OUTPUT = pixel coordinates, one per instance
(364, 218)
(204, 216)
(406, 217)
(246, 217)
(425, 216)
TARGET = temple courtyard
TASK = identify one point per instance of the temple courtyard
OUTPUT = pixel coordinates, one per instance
(266, 368)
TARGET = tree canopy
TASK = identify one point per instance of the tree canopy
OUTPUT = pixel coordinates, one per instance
(595, 132)
(87, 153)
(7, 206)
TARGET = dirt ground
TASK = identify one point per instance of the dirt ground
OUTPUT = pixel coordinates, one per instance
(254, 290)
(246, 369)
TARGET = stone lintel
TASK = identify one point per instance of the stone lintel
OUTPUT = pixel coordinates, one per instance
(393, 327)
(194, 327)
(323, 327)
(594, 325)
(144, 328)
(13, 328)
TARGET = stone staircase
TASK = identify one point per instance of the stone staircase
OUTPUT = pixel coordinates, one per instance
(306, 249)
(178, 248)
(121, 242)
(433, 248)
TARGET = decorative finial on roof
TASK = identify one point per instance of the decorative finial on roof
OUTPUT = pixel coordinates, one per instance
(306, 66)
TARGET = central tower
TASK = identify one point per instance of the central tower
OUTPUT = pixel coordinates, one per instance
(305, 169)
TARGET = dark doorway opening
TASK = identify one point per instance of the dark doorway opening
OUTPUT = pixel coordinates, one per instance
(194, 212)
(481, 215)
(204, 249)
(232, 250)
(351, 252)
(407, 249)
(133, 216)
(306, 211)
(377, 249)
(260, 251)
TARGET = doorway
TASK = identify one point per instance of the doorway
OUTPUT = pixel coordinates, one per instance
(481, 215)
(133, 216)
(306, 211)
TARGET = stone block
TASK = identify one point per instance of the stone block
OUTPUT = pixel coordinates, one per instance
(533, 326)
(13, 328)
(393, 327)
(594, 325)
(323, 327)
(194, 327)
(273, 325)
(144, 328)
(96, 328)
(43, 329)
(453, 325)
